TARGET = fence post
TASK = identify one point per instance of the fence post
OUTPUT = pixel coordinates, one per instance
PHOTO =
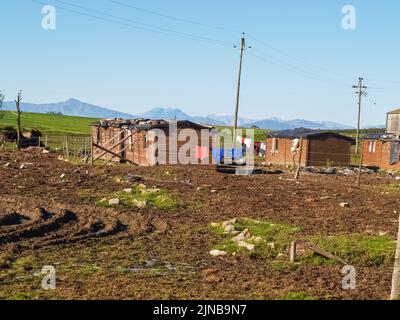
(395, 294)
(296, 177)
(66, 146)
(91, 150)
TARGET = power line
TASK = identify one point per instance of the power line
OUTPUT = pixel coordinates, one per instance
(293, 69)
(128, 23)
(172, 17)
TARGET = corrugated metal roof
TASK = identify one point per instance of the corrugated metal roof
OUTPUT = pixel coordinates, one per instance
(307, 134)
(145, 124)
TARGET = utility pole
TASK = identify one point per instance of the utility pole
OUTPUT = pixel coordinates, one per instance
(242, 48)
(17, 102)
(361, 92)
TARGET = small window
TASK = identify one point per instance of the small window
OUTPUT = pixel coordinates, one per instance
(275, 145)
(372, 147)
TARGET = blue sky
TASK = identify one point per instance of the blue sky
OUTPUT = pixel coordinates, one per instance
(302, 63)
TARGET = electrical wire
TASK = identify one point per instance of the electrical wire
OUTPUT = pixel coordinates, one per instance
(172, 17)
(134, 24)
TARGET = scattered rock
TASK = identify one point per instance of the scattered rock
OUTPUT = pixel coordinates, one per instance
(217, 253)
(245, 234)
(7, 165)
(141, 186)
(22, 167)
(281, 256)
(215, 224)
(347, 172)
(45, 151)
(246, 245)
(114, 202)
(63, 176)
(129, 190)
(271, 245)
(230, 228)
(344, 205)
(225, 223)
(213, 191)
(140, 204)
(325, 198)
(133, 178)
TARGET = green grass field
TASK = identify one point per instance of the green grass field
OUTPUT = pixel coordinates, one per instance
(65, 125)
(48, 123)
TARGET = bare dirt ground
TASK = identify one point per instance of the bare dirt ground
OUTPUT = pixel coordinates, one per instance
(151, 253)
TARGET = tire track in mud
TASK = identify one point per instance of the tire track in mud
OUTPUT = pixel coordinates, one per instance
(26, 222)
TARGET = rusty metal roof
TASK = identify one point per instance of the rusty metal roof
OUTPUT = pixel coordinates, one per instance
(146, 124)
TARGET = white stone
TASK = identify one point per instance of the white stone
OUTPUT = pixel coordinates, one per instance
(45, 151)
(245, 234)
(246, 245)
(139, 204)
(217, 253)
(344, 205)
(215, 224)
(129, 190)
(230, 228)
(142, 186)
(114, 202)
(63, 176)
(271, 245)
(225, 223)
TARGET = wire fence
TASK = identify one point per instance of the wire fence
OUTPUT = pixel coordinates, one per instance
(70, 146)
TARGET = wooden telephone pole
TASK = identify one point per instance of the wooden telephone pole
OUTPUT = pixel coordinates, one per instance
(242, 48)
(18, 107)
(361, 92)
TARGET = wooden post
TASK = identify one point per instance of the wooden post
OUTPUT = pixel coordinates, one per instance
(66, 146)
(395, 294)
(293, 249)
(45, 141)
(91, 150)
(296, 177)
(360, 166)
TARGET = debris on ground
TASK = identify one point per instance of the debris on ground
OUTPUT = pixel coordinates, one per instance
(344, 205)
(217, 253)
(114, 202)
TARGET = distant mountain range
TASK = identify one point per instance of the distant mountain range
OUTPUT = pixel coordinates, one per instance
(73, 107)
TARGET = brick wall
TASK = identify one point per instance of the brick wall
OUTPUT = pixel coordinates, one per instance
(283, 155)
(381, 157)
(142, 142)
(317, 151)
(329, 151)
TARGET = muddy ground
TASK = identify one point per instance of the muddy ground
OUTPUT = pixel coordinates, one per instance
(151, 253)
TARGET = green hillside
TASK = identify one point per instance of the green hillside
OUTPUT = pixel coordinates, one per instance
(48, 123)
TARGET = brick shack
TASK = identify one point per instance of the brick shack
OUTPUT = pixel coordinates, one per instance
(383, 150)
(139, 142)
(317, 148)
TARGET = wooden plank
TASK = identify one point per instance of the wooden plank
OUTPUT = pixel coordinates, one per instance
(114, 146)
(313, 248)
(112, 153)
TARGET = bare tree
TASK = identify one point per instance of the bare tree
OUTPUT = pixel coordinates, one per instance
(18, 107)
